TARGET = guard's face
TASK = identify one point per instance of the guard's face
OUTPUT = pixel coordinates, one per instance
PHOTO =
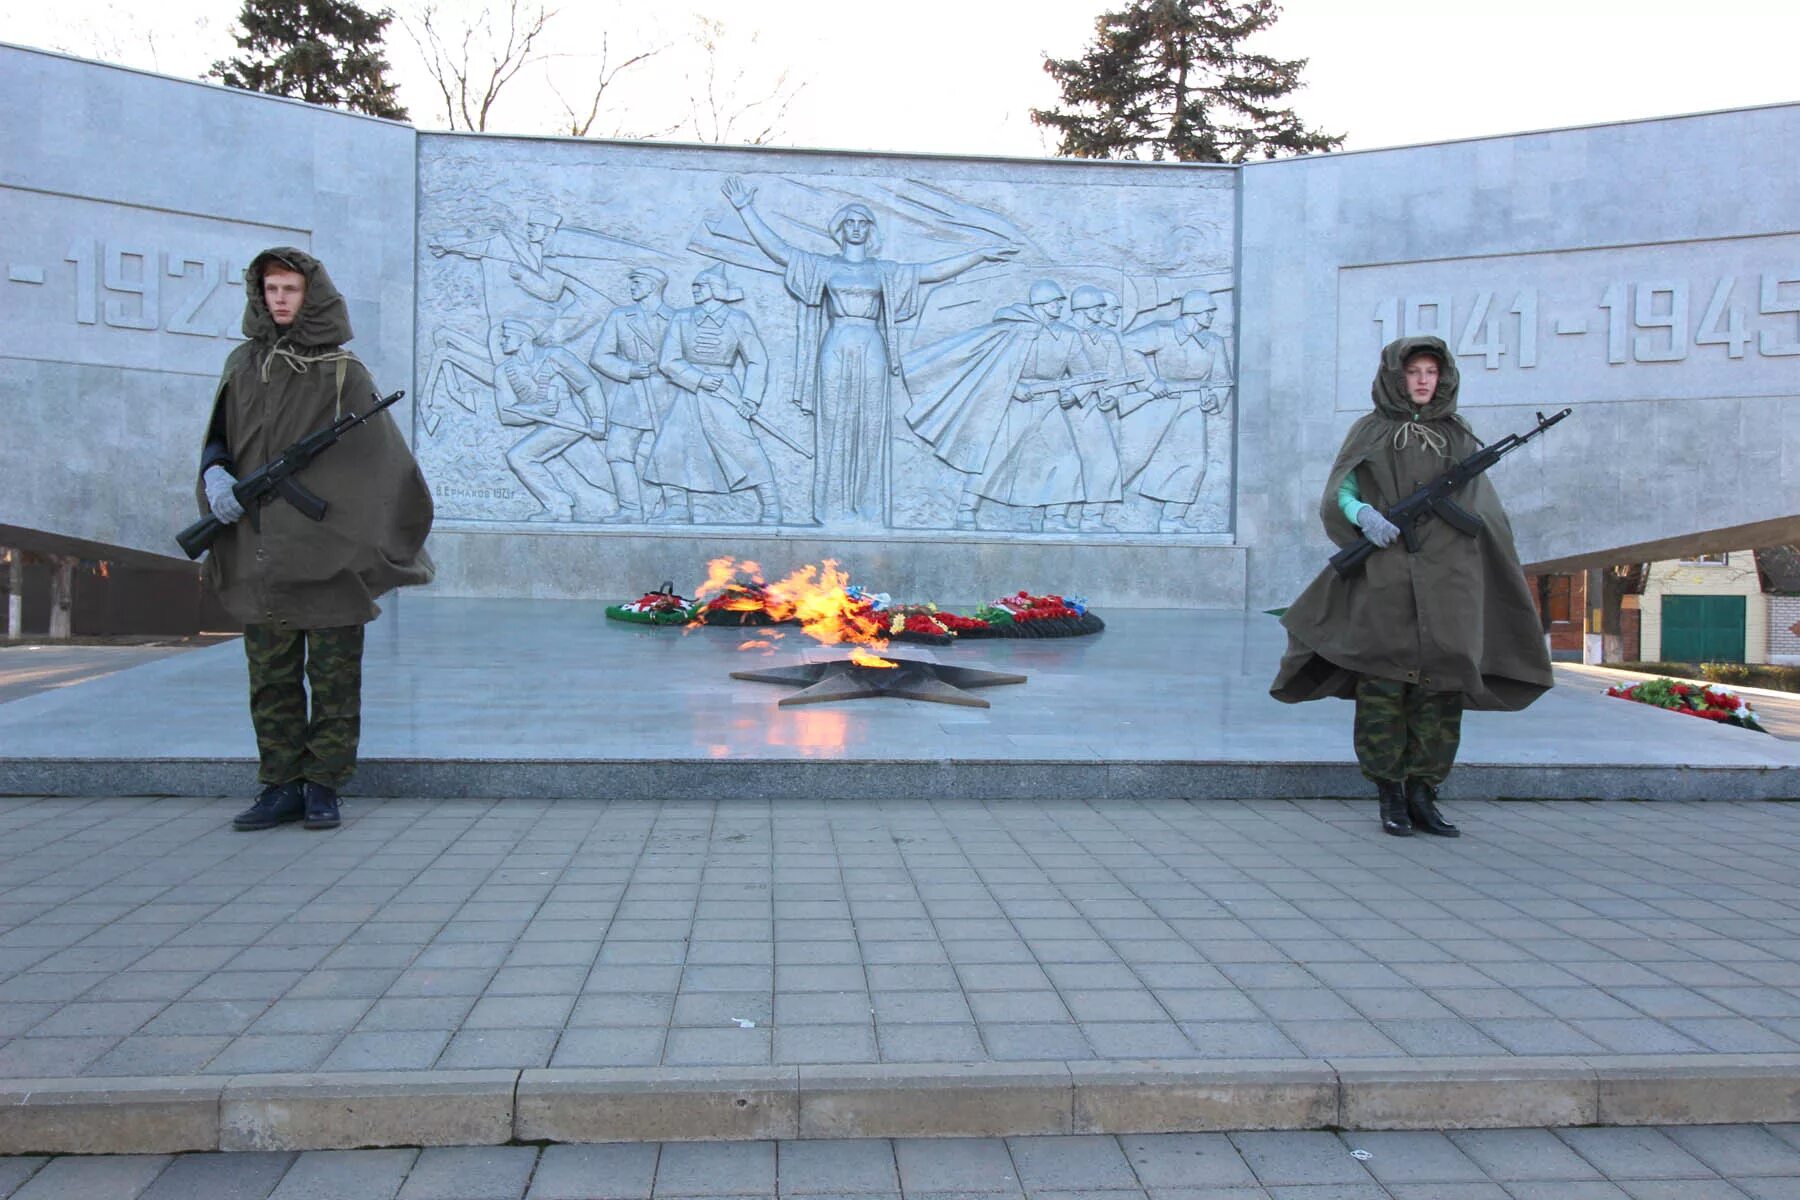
(536, 232)
(511, 341)
(284, 291)
(1050, 309)
(1113, 313)
(1421, 379)
(1094, 314)
(702, 291)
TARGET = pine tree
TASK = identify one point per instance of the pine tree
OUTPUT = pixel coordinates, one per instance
(322, 51)
(1168, 78)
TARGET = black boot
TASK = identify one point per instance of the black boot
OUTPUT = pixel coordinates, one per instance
(1393, 809)
(1421, 806)
(277, 804)
(321, 807)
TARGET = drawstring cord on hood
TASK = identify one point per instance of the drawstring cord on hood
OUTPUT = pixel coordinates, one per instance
(1431, 439)
(298, 363)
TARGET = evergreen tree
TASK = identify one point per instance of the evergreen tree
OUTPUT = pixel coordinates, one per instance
(1168, 77)
(322, 51)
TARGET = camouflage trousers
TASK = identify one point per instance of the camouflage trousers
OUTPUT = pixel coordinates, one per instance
(1405, 732)
(292, 746)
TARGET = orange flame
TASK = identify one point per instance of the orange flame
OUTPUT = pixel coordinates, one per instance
(812, 595)
(863, 658)
(721, 573)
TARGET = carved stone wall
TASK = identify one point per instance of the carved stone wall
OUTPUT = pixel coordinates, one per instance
(1645, 274)
(650, 337)
(129, 206)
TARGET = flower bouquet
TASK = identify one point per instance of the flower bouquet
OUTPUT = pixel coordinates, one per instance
(662, 607)
(742, 602)
(1025, 615)
(751, 601)
(1696, 700)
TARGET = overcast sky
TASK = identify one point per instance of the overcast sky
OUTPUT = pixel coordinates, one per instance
(959, 76)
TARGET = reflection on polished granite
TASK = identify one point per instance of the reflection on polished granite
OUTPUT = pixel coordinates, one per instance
(518, 681)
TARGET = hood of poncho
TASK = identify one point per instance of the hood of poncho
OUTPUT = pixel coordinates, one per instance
(324, 318)
(1389, 389)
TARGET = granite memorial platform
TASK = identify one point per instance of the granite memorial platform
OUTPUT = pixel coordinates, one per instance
(512, 698)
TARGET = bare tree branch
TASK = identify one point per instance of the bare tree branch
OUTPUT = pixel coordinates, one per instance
(470, 91)
(716, 105)
(579, 125)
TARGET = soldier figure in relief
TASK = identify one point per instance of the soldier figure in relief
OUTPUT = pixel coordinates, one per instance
(1192, 381)
(626, 356)
(992, 405)
(715, 359)
(552, 390)
(1094, 417)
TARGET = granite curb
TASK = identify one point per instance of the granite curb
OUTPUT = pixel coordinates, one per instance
(682, 779)
(496, 1107)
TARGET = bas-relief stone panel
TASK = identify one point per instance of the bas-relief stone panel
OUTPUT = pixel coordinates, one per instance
(631, 337)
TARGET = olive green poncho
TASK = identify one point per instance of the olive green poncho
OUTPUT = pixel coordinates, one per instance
(278, 387)
(1454, 617)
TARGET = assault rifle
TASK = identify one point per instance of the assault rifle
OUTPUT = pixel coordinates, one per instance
(1051, 386)
(276, 478)
(1433, 499)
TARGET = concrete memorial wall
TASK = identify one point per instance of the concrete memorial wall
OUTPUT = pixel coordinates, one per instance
(1646, 275)
(130, 205)
(954, 376)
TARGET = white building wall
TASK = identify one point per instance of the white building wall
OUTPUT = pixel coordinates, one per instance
(1735, 577)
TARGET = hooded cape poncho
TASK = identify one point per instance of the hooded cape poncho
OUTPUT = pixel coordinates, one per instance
(1454, 617)
(277, 387)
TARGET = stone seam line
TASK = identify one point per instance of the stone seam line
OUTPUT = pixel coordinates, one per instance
(425, 1108)
(685, 779)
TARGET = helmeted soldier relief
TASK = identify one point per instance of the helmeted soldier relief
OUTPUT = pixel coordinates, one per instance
(551, 391)
(994, 403)
(625, 355)
(715, 359)
(1094, 416)
(1192, 381)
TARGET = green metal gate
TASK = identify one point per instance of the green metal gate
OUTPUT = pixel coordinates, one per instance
(1703, 629)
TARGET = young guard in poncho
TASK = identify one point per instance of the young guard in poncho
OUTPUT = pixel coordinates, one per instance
(304, 589)
(1414, 638)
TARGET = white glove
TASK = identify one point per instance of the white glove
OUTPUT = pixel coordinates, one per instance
(1375, 527)
(224, 501)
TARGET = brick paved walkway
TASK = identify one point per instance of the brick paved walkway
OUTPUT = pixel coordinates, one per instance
(143, 938)
(1716, 1162)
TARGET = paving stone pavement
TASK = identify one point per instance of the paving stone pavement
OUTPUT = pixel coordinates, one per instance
(1714, 1162)
(143, 937)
